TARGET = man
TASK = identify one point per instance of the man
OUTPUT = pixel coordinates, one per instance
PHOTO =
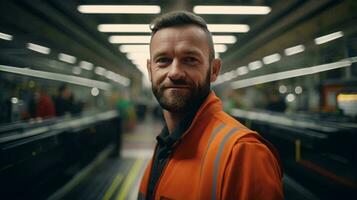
(202, 152)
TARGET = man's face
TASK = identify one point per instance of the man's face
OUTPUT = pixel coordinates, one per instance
(179, 67)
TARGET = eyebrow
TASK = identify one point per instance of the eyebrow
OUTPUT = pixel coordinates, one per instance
(185, 52)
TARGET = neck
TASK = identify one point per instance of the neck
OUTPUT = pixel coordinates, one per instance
(172, 120)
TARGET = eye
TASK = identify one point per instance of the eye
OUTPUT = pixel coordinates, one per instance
(190, 60)
(163, 60)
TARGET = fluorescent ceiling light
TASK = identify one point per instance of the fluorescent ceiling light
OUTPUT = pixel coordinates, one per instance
(117, 78)
(294, 50)
(242, 70)
(255, 65)
(100, 71)
(228, 28)
(291, 74)
(134, 48)
(329, 37)
(38, 48)
(139, 55)
(129, 39)
(220, 48)
(67, 58)
(235, 10)
(86, 65)
(224, 39)
(216, 54)
(137, 28)
(57, 77)
(76, 70)
(119, 9)
(5, 36)
(271, 58)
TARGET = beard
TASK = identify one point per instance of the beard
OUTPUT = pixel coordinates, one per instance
(185, 100)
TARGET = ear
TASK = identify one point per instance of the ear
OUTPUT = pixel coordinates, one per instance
(216, 67)
(148, 66)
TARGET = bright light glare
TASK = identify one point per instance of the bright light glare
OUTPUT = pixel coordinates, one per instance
(56, 76)
(291, 74)
(38, 48)
(228, 28)
(294, 50)
(100, 71)
(135, 28)
(290, 97)
(129, 39)
(298, 89)
(14, 100)
(328, 38)
(283, 89)
(224, 39)
(86, 65)
(134, 48)
(235, 10)
(67, 58)
(139, 55)
(94, 92)
(76, 70)
(271, 58)
(242, 70)
(220, 48)
(5, 36)
(119, 9)
(255, 65)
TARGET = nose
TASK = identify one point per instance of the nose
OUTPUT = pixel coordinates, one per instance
(176, 71)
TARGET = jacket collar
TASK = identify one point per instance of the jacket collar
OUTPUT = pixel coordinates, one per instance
(210, 105)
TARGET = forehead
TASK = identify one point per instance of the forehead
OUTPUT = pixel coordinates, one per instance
(188, 37)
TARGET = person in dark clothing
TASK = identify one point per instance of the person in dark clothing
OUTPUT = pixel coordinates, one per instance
(64, 101)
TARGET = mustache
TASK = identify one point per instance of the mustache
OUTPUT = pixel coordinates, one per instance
(175, 83)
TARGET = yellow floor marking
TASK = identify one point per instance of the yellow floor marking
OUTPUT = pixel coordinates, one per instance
(129, 180)
(108, 194)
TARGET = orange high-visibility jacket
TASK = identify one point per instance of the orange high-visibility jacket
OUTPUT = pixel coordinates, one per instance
(218, 158)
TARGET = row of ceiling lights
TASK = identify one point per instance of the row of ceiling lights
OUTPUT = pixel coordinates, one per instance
(252, 66)
(72, 60)
(136, 47)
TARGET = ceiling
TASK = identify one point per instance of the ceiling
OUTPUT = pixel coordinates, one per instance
(59, 26)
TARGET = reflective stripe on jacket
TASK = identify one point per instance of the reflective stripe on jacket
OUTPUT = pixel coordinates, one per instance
(218, 158)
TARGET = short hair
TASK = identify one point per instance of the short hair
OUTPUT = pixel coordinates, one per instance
(181, 18)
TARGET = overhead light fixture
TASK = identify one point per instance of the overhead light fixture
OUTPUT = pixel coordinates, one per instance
(291, 74)
(328, 38)
(255, 65)
(271, 58)
(67, 58)
(220, 48)
(125, 28)
(129, 39)
(283, 89)
(94, 91)
(86, 65)
(5, 36)
(134, 48)
(138, 55)
(100, 71)
(228, 28)
(294, 50)
(232, 10)
(298, 89)
(119, 9)
(117, 78)
(242, 70)
(224, 39)
(76, 70)
(57, 77)
(216, 54)
(38, 48)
